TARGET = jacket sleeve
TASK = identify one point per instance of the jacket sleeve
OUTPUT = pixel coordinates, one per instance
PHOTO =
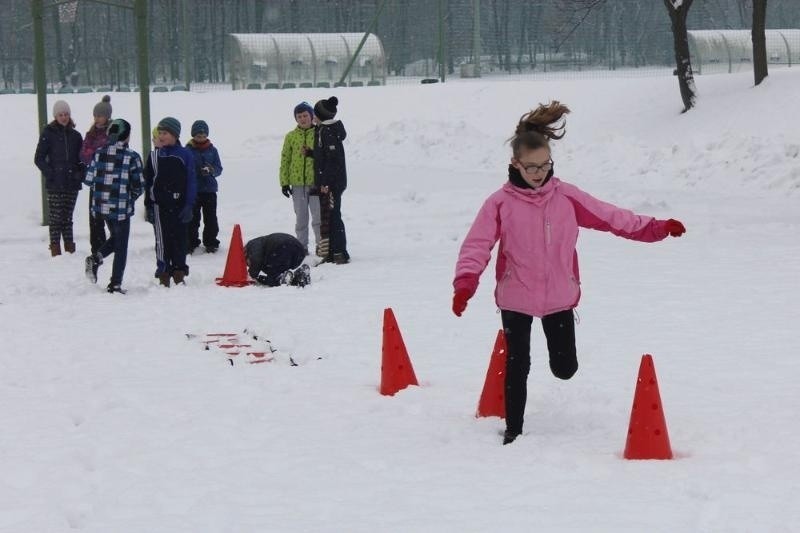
(148, 174)
(286, 160)
(91, 171)
(88, 148)
(595, 214)
(216, 162)
(191, 179)
(136, 178)
(40, 159)
(476, 250)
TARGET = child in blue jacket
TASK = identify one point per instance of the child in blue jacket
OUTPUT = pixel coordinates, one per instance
(171, 189)
(207, 167)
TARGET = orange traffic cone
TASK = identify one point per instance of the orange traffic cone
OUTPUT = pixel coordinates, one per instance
(235, 274)
(493, 400)
(396, 370)
(647, 432)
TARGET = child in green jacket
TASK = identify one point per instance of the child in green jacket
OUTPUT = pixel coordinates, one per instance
(297, 174)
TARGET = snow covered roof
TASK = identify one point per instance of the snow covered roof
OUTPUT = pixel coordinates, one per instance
(732, 50)
(286, 59)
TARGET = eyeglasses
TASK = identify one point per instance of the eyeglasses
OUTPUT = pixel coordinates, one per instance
(533, 168)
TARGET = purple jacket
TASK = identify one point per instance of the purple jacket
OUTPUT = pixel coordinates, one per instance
(537, 264)
(95, 138)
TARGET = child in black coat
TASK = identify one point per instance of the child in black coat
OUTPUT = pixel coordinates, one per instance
(331, 173)
(276, 259)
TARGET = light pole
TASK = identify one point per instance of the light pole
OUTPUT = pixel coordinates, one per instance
(139, 8)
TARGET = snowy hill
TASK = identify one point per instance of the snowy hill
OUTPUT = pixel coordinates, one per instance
(112, 421)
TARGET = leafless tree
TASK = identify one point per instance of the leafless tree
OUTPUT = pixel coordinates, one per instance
(678, 11)
(759, 40)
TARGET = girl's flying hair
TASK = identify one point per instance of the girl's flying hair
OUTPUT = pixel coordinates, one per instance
(537, 127)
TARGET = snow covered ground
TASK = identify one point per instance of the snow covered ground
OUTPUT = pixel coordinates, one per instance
(112, 421)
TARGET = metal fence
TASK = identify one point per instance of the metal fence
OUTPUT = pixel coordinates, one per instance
(90, 44)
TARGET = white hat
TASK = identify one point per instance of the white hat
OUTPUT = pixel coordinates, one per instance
(61, 107)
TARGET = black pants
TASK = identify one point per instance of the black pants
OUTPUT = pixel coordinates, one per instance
(338, 243)
(97, 229)
(170, 242)
(559, 330)
(205, 205)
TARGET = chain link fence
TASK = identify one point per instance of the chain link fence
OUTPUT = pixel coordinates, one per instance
(90, 44)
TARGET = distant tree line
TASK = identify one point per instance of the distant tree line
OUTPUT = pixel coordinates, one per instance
(515, 36)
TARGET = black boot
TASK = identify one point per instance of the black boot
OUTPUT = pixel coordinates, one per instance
(509, 437)
(301, 276)
(115, 288)
(92, 264)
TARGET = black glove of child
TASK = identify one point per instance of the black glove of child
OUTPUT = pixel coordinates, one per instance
(287, 191)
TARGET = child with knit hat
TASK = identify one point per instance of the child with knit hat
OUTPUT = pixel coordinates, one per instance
(331, 172)
(115, 176)
(207, 167)
(296, 175)
(58, 158)
(170, 192)
(96, 138)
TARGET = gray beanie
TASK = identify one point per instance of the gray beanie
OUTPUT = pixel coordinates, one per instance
(103, 107)
(171, 125)
(61, 107)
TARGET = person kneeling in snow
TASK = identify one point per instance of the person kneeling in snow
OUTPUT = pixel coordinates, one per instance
(277, 259)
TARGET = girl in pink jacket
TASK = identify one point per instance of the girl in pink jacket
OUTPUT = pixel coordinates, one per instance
(536, 217)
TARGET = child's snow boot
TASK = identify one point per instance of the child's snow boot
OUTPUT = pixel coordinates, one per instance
(55, 248)
(115, 288)
(69, 247)
(301, 276)
(93, 262)
(178, 276)
(509, 436)
(286, 278)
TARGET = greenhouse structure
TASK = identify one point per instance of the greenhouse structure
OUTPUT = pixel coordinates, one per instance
(715, 51)
(287, 60)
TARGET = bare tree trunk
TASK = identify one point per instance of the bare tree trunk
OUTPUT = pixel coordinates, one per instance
(759, 40)
(678, 10)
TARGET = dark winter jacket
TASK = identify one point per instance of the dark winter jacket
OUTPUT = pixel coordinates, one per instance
(58, 157)
(273, 255)
(207, 165)
(170, 180)
(95, 138)
(329, 162)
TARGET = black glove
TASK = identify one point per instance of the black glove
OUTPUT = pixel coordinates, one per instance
(287, 191)
(313, 191)
(206, 170)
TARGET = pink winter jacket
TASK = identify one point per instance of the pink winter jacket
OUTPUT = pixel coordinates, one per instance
(537, 264)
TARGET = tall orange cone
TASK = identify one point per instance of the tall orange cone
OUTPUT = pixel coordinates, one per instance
(396, 370)
(493, 400)
(235, 274)
(647, 432)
